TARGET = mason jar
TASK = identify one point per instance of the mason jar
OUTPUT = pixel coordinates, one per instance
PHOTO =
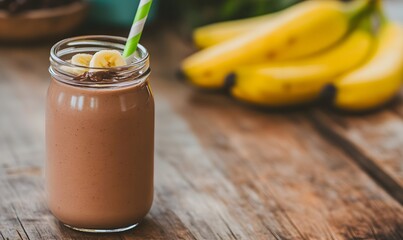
(99, 138)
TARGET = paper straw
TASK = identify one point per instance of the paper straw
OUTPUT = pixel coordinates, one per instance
(137, 27)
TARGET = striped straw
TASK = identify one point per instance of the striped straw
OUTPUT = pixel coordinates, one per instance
(137, 28)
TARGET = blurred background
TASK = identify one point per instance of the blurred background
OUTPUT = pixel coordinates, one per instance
(25, 20)
(28, 28)
(43, 22)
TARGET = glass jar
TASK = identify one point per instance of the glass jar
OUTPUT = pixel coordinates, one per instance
(99, 139)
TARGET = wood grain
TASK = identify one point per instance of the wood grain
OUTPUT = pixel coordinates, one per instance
(374, 141)
(223, 170)
(269, 146)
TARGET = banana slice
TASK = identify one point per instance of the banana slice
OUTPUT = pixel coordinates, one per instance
(107, 59)
(81, 59)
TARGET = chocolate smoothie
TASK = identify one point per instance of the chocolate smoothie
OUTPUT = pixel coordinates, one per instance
(100, 146)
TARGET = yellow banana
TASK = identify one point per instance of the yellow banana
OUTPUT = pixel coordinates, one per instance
(81, 59)
(213, 34)
(302, 30)
(107, 59)
(378, 80)
(297, 82)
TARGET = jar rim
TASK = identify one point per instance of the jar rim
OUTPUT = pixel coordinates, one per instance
(58, 45)
(134, 73)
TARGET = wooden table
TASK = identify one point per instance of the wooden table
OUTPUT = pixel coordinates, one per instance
(223, 170)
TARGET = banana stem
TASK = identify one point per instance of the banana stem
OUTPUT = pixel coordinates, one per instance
(366, 24)
(359, 9)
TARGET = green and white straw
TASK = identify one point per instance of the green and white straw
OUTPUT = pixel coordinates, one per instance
(137, 28)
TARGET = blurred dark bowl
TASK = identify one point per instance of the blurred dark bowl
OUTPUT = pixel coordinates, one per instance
(42, 24)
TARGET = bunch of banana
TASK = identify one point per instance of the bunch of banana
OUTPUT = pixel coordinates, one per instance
(378, 80)
(302, 30)
(315, 49)
(300, 81)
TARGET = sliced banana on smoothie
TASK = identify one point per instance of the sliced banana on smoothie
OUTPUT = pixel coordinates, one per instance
(107, 59)
(101, 59)
(81, 59)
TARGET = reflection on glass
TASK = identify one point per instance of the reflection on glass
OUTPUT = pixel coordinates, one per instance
(73, 102)
(94, 103)
(80, 104)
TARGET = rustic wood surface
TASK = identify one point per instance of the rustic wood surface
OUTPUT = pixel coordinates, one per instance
(223, 170)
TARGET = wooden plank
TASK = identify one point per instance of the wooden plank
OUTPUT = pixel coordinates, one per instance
(374, 141)
(223, 171)
(280, 163)
(274, 181)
